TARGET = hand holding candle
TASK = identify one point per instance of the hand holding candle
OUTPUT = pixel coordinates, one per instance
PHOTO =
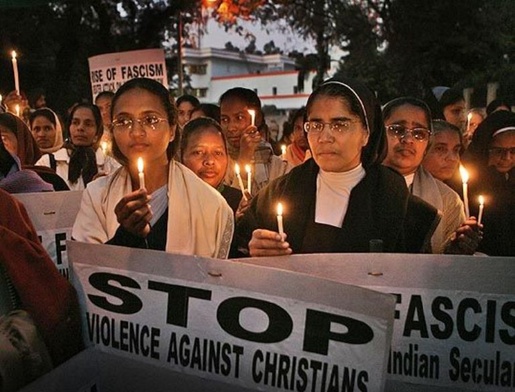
(464, 178)
(141, 175)
(249, 178)
(481, 208)
(252, 116)
(240, 181)
(15, 72)
(280, 219)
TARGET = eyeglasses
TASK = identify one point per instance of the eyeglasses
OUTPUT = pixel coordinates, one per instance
(500, 152)
(316, 127)
(400, 131)
(148, 123)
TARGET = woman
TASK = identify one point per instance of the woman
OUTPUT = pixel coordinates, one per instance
(490, 160)
(246, 138)
(204, 151)
(174, 210)
(296, 151)
(342, 199)
(408, 130)
(79, 161)
(46, 129)
(20, 174)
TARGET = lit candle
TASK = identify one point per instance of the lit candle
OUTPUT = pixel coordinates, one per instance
(481, 208)
(249, 178)
(104, 147)
(469, 117)
(283, 149)
(15, 71)
(252, 116)
(464, 179)
(0, 99)
(240, 181)
(280, 218)
(17, 109)
(141, 175)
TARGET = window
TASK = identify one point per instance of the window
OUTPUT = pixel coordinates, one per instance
(198, 69)
(200, 92)
(274, 90)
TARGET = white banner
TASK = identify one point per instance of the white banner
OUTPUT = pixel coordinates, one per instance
(109, 71)
(454, 320)
(248, 326)
(53, 215)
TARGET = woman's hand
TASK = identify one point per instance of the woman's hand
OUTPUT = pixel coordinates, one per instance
(244, 205)
(249, 141)
(466, 238)
(268, 243)
(134, 214)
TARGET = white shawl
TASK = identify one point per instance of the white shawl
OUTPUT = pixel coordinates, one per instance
(200, 222)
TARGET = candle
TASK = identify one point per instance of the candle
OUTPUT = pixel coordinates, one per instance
(240, 181)
(283, 149)
(104, 148)
(252, 116)
(15, 71)
(17, 109)
(249, 178)
(0, 99)
(469, 117)
(481, 208)
(141, 175)
(464, 178)
(280, 218)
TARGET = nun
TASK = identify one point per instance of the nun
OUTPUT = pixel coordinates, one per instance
(342, 199)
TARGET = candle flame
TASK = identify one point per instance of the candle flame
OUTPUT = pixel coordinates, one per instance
(13, 54)
(481, 200)
(469, 116)
(252, 116)
(279, 208)
(247, 168)
(283, 149)
(17, 109)
(140, 165)
(464, 174)
(104, 147)
(237, 169)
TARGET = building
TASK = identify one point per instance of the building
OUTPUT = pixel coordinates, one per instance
(213, 71)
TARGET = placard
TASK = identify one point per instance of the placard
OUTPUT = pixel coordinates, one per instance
(53, 215)
(454, 320)
(109, 71)
(247, 326)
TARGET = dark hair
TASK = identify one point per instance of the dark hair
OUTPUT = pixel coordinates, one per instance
(96, 115)
(28, 152)
(450, 97)
(210, 110)
(34, 95)
(104, 94)
(397, 102)
(364, 104)
(188, 98)
(44, 112)
(249, 98)
(162, 93)
(496, 104)
(198, 125)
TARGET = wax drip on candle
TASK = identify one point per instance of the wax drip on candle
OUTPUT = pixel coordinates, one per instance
(481, 208)
(15, 72)
(249, 178)
(280, 219)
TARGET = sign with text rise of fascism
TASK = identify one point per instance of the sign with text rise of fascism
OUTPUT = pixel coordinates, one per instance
(53, 215)
(454, 324)
(252, 327)
(108, 72)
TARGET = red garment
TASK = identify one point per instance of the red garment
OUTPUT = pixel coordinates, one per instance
(48, 297)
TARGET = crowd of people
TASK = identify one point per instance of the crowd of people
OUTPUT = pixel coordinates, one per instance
(355, 177)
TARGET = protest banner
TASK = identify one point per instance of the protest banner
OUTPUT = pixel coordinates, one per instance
(109, 71)
(454, 324)
(247, 326)
(53, 214)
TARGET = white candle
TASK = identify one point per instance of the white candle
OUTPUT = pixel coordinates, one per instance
(141, 175)
(249, 178)
(15, 71)
(481, 208)
(469, 117)
(0, 99)
(17, 109)
(252, 116)
(283, 149)
(280, 218)
(464, 179)
(240, 181)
